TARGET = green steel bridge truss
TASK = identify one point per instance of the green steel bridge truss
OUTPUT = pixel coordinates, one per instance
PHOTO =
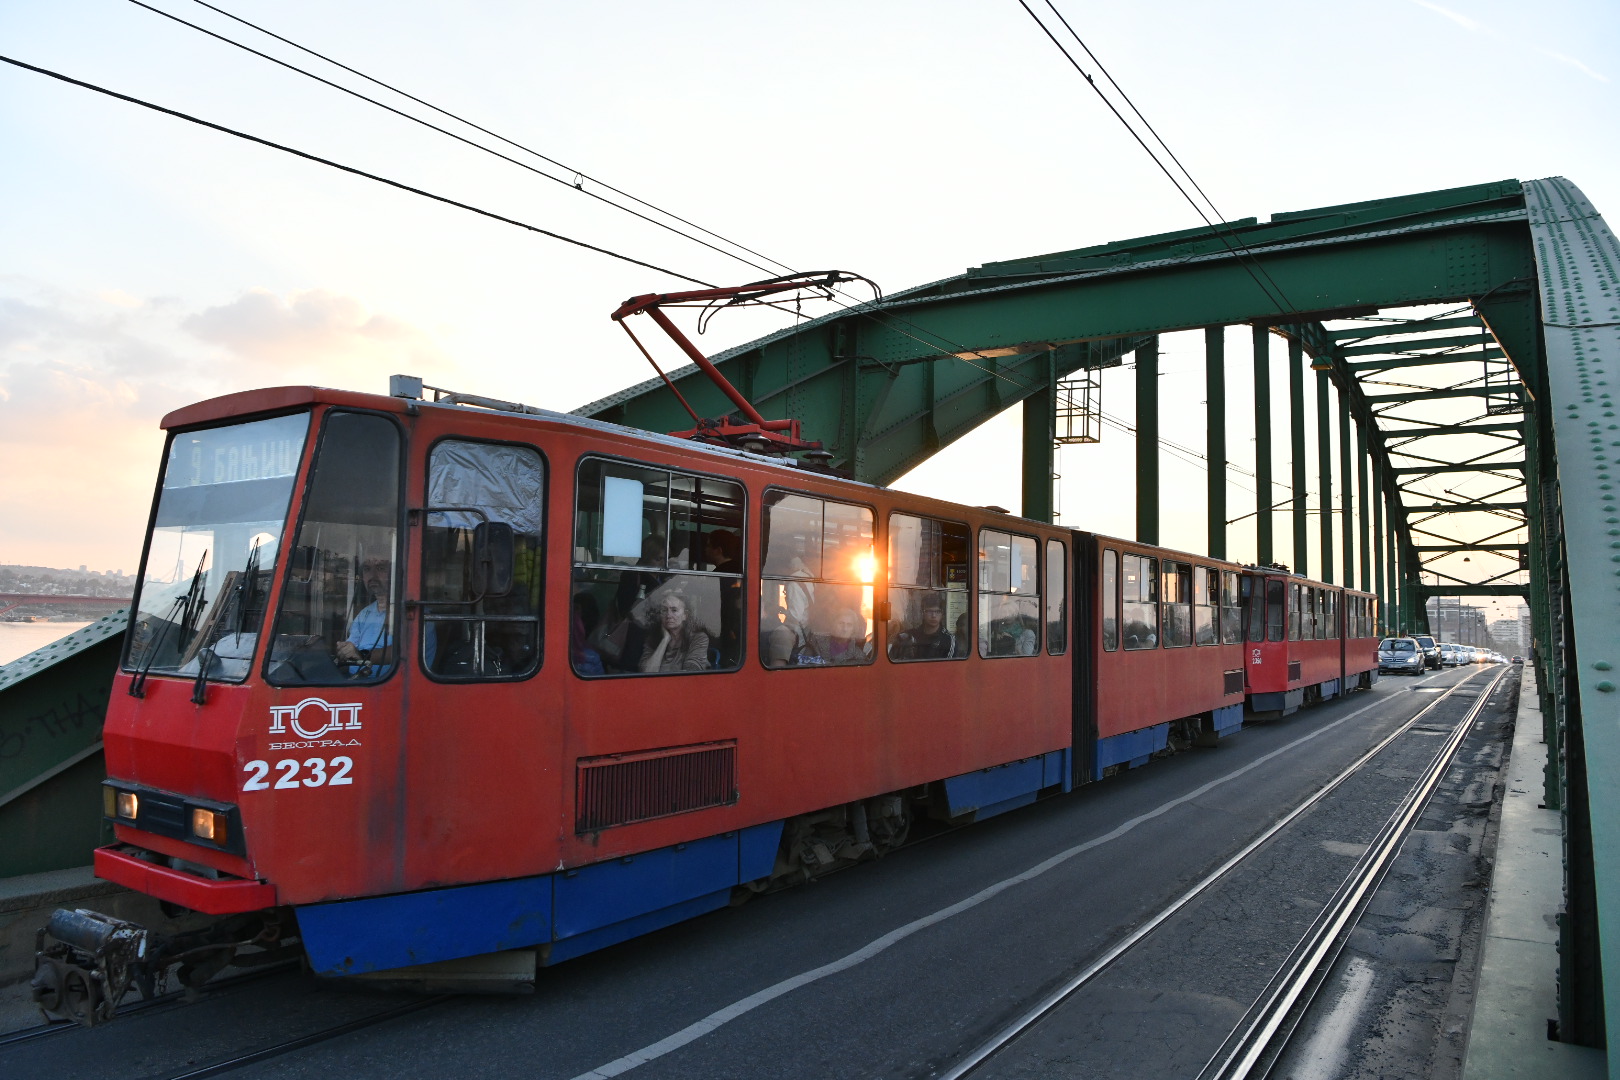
(1465, 344)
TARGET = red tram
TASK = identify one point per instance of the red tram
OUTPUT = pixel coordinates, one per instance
(410, 681)
(1307, 641)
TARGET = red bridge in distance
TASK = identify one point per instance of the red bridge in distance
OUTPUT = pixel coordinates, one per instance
(9, 601)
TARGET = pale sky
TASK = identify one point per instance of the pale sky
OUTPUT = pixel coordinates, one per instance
(146, 263)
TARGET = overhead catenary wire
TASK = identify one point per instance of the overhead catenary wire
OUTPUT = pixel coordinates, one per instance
(887, 319)
(510, 142)
(1244, 255)
(445, 131)
(351, 170)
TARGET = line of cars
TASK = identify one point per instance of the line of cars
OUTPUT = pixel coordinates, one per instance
(1417, 653)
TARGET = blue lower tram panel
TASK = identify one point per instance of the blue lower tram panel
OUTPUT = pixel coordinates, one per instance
(574, 912)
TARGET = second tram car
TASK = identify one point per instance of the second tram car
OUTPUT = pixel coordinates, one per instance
(1307, 641)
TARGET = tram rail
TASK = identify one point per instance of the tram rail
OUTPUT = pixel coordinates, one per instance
(1257, 1040)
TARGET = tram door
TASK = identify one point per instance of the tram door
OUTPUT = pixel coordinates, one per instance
(475, 718)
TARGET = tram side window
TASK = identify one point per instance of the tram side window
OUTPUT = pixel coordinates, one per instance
(1293, 611)
(928, 589)
(1141, 602)
(1231, 609)
(1309, 609)
(815, 592)
(1333, 615)
(1276, 609)
(1206, 605)
(1009, 595)
(339, 613)
(1110, 600)
(1057, 594)
(1178, 602)
(474, 628)
(657, 571)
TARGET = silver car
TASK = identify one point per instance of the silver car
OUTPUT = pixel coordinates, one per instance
(1400, 655)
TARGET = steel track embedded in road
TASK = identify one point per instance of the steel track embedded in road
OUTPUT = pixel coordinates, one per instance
(1266, 1021)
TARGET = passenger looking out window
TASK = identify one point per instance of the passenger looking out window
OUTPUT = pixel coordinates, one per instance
(1009, 595)
(1140, 588)
(928, 587)
(658, 571)
(816, 591)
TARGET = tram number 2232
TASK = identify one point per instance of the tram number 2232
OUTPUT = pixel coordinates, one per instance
(289, 768)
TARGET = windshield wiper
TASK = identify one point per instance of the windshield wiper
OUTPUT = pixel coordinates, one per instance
(183, 612)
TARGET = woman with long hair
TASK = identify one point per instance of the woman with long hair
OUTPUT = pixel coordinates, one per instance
(675, 643)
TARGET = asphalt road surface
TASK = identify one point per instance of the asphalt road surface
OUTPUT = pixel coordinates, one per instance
(899, 967)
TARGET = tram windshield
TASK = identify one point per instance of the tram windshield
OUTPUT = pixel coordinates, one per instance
(212, 552)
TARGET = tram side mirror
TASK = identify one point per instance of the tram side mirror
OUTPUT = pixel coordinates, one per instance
(493, 556)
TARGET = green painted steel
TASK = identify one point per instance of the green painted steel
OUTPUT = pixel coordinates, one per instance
(52, 703)
(1265, 553)
(1364, 523)
(1346, 503)
(1579, 277)
(1147, 442)
(1296, 433)
(1040, 447)
(1215, 436)
(1324, 469)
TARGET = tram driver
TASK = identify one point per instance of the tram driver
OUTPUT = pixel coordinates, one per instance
(368, 648)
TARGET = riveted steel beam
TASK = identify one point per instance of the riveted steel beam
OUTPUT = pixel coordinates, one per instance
(1432, 360)
(1416, 326)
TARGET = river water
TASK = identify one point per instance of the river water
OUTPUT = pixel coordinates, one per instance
(21, 638)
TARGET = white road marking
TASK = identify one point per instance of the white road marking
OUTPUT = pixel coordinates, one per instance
(715, 1020)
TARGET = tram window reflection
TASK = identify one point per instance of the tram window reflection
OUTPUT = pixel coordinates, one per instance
(1140, 609)
(816, 591)
(1231, 608)
(1110, 600)
(1009, 594)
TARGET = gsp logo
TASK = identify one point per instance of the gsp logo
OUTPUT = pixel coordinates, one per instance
(314, 717)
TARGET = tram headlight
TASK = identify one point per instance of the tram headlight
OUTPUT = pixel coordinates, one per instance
(128, 805)
(208, 825)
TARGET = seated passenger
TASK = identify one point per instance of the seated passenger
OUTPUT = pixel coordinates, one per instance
(1009, 635)
(586, 660)
(929, 640)
(675, 643)
(846, 644)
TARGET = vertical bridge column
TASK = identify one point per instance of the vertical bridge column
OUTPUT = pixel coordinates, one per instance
(1215, 438)
(1347, 525)
(1040, 437)
(1324, 467)
(1361, 516)
(1296, 425)
(1380, 582)
(1147, 442)
(1262, 446)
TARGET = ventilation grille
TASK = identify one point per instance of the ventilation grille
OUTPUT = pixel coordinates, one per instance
(1234, 682)
(1293, 671)
(621, 788)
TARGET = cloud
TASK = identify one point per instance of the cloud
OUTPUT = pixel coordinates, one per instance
(1461, 20)
(1574, 63)
(1477, 27)
(313, 333)
(85, 379)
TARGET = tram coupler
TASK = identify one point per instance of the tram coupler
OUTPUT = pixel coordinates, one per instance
(84, 975)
